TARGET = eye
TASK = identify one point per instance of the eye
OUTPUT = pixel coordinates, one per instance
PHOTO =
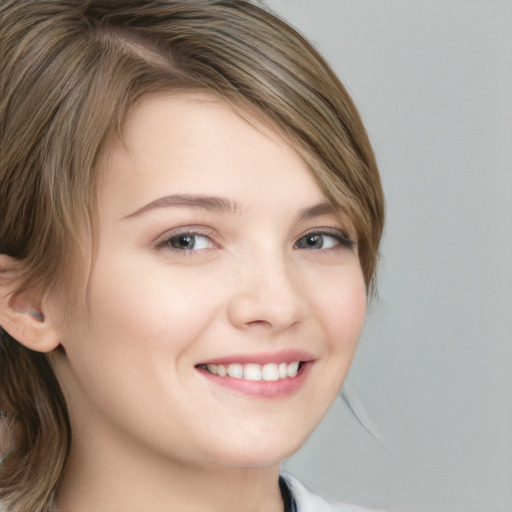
(186, 241)
(323, 240)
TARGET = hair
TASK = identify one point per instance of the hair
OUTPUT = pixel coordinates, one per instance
(71, 70)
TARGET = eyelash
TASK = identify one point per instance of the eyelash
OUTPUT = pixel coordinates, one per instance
(165, 243)
(344, 241)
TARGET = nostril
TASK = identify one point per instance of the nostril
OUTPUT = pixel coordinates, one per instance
(263, 323)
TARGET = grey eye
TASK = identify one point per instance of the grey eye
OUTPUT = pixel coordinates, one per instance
(323, 241)
(189, 242)
(313, 241)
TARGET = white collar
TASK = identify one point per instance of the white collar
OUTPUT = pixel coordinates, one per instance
(308, 501)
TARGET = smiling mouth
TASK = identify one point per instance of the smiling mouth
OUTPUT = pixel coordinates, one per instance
(270, 372)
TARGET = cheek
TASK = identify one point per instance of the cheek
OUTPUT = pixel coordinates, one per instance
(134, 303)
(341, 310)
(143, 324)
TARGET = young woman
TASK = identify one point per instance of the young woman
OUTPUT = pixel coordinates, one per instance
(191, 214)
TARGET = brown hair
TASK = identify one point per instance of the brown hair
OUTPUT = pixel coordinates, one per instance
(71, 69)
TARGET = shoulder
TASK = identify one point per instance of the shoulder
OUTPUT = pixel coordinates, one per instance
(308, 501)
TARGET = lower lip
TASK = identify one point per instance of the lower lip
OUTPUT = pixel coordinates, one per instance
(262, 388)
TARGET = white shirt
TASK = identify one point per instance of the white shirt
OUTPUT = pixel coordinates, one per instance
(307, 501)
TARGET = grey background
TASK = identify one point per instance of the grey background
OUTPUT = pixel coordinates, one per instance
(426, 424)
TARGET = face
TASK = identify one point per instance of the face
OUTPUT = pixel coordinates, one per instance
(226, 298)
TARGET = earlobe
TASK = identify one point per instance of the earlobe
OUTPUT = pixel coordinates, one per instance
(22, 314)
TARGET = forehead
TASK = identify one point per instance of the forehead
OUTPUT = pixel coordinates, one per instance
(190, 144)
(196, 120)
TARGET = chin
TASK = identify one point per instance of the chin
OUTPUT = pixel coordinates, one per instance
(261, 453)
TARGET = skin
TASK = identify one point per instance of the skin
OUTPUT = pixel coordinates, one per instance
(150, 432)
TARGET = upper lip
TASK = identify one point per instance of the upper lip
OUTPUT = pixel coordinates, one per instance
(282, 356)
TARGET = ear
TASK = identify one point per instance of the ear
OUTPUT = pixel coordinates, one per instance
(23, 315)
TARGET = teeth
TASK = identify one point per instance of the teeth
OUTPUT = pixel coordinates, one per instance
(236, 371)
(291, 369)
(270, 372)
(251, 371)
(213, 368)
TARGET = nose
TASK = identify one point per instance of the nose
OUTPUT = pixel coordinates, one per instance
(267, 292)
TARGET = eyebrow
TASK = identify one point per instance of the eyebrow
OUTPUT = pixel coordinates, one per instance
(316, 211)
(209, 203)
(218, 203)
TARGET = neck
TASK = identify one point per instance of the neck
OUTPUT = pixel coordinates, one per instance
(121, 480)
